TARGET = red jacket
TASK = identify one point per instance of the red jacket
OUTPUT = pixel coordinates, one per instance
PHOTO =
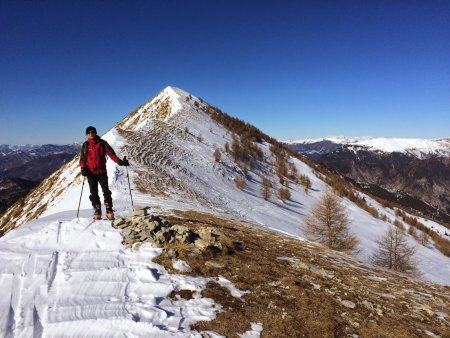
(93, 155)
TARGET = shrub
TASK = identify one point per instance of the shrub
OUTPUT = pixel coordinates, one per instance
(399, 225)
(217, 155)
(424, 239)
(412, 231)
(284, 194)
(240, 183)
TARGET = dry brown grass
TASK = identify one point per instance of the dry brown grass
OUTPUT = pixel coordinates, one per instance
(304, 299)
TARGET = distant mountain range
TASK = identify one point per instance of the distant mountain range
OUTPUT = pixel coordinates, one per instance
(419, 148)
(412, 172)
(25, 166)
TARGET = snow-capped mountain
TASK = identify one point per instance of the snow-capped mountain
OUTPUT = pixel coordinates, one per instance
(38, 149)
(412, 172)
(420, 148)
(67, 274)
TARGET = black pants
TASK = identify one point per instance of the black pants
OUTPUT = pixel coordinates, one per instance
(93, 181)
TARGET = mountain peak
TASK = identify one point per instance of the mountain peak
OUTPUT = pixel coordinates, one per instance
(162, 107)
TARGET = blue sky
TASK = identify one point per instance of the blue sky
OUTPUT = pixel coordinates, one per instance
(294, 69)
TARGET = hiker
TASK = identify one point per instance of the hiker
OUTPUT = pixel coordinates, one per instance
(93, 166)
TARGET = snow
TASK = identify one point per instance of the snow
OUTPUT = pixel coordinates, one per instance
(413, 146)
(75, 278)
(222, 281)
(255, 332)
(181, 265)
(66, 276)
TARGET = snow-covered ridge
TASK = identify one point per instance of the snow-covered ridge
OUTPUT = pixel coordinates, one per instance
(413, 146)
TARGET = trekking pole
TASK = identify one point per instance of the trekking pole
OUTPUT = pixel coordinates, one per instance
(129, 186)
(79, 203)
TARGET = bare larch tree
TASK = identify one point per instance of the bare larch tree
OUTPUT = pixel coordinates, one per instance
(395, 253)
(328, 223)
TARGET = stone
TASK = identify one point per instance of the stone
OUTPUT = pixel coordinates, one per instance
(143, 235)
(159, 237)
(212, 264)
(314, 269)
(194, 252)
(218, 245)
(201, 244)
(118, 221)
(171, 253)
(124, 225)
(205, 234)
(180, 229)
(368, 305)
(150, 224)
(348, 304)
(141, 207)
(126, 232)
(140, 212)
(216, 232)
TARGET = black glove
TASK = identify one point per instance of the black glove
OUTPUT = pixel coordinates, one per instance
(84, 171)
(124, 162)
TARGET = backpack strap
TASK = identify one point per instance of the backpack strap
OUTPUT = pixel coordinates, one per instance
(103, 143)
(84, 149)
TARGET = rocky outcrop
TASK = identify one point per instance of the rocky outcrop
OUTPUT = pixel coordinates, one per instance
(142, 226)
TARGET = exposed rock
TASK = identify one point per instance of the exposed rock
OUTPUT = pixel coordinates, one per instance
(201, 244)
(141, 227)
(150, 224)
(140, 212)
(118, 222)
(180, 229)
(348, 304)
(171, 253)
(315, 269)
(213, 264)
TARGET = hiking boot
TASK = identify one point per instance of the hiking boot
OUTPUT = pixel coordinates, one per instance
(109, 212)
(97, 212)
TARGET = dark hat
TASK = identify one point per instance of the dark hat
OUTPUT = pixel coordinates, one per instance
(91, 128)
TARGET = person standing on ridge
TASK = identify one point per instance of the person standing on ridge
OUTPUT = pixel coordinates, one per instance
(93, 166)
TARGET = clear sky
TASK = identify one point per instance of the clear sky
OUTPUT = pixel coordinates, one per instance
(294, 69)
